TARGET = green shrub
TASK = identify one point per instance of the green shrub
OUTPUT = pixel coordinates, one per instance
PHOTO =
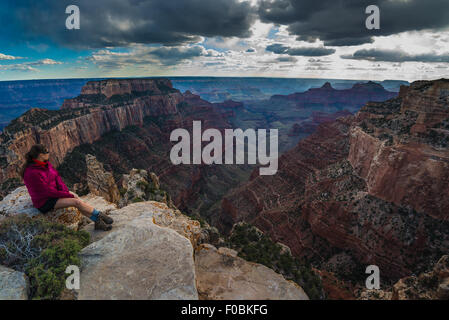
(122, 191)
(42, 250)
(254, 246)
(137, 199)
(142, 184)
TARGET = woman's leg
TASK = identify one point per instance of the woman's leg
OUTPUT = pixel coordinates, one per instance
(83, 207)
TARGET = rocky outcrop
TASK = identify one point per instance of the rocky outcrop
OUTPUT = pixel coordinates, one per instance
(19, 202)
(429, 285)
(149, 254)
(140, 185)
(138, 260)
(432, 285)
(101, 182)
(367, 185)
(221, 275)
(14, 285)
(99, 202)
(161, 215)
(131, 262)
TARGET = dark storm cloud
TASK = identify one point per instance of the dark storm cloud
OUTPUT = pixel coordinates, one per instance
(395, 56)
(286, 59)
(144, 55)
(342, 23)
(299, 51)
(121, 22)
(310, 52)
(277, 48)
(171, 55)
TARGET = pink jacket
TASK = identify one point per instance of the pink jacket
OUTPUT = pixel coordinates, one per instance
(44, 183)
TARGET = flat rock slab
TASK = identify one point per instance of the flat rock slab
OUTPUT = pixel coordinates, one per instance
(159, 213)
(221, 275)
(99, 203)
(13, 284)
(137, 260)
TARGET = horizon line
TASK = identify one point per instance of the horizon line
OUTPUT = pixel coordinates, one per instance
(183, 76)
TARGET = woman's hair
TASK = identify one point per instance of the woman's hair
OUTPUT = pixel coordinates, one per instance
(34, 152)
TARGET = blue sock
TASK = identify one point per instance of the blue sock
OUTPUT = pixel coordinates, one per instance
(94, 215)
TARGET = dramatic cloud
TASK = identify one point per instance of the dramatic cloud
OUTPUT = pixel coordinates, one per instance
(29, 66)
(299, 51)
(396, 56)
(342, 23)
(7, 57)
(122, 22)
(142, 55)
(173, 55)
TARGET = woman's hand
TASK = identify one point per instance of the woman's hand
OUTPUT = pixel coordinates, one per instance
(74, 194)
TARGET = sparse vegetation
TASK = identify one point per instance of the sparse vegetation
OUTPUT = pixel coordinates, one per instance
(137, 199)
(42, 250)
(9, 185)
(252, 245)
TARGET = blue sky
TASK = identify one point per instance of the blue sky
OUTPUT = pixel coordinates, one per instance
(279, 38)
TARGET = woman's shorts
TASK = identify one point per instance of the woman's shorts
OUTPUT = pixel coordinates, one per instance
(48, 205)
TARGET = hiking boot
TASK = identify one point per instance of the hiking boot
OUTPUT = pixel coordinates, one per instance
(105, 218)
(101, 225)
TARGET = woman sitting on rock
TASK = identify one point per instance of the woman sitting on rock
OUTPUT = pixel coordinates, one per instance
(48, 191)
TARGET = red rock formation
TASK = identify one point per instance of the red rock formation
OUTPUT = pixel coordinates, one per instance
(365, 184)
(326, 96)
(95, 92)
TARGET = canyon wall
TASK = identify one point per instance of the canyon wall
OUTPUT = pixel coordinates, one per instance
(404, 157)
(372, 186)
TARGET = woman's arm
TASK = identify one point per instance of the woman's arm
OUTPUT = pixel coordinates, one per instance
(61, 185)
(37, 181)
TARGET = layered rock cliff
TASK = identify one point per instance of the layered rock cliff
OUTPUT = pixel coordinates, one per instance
(103, 106)
(374, 186)
(119, 92)
(400, 148)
